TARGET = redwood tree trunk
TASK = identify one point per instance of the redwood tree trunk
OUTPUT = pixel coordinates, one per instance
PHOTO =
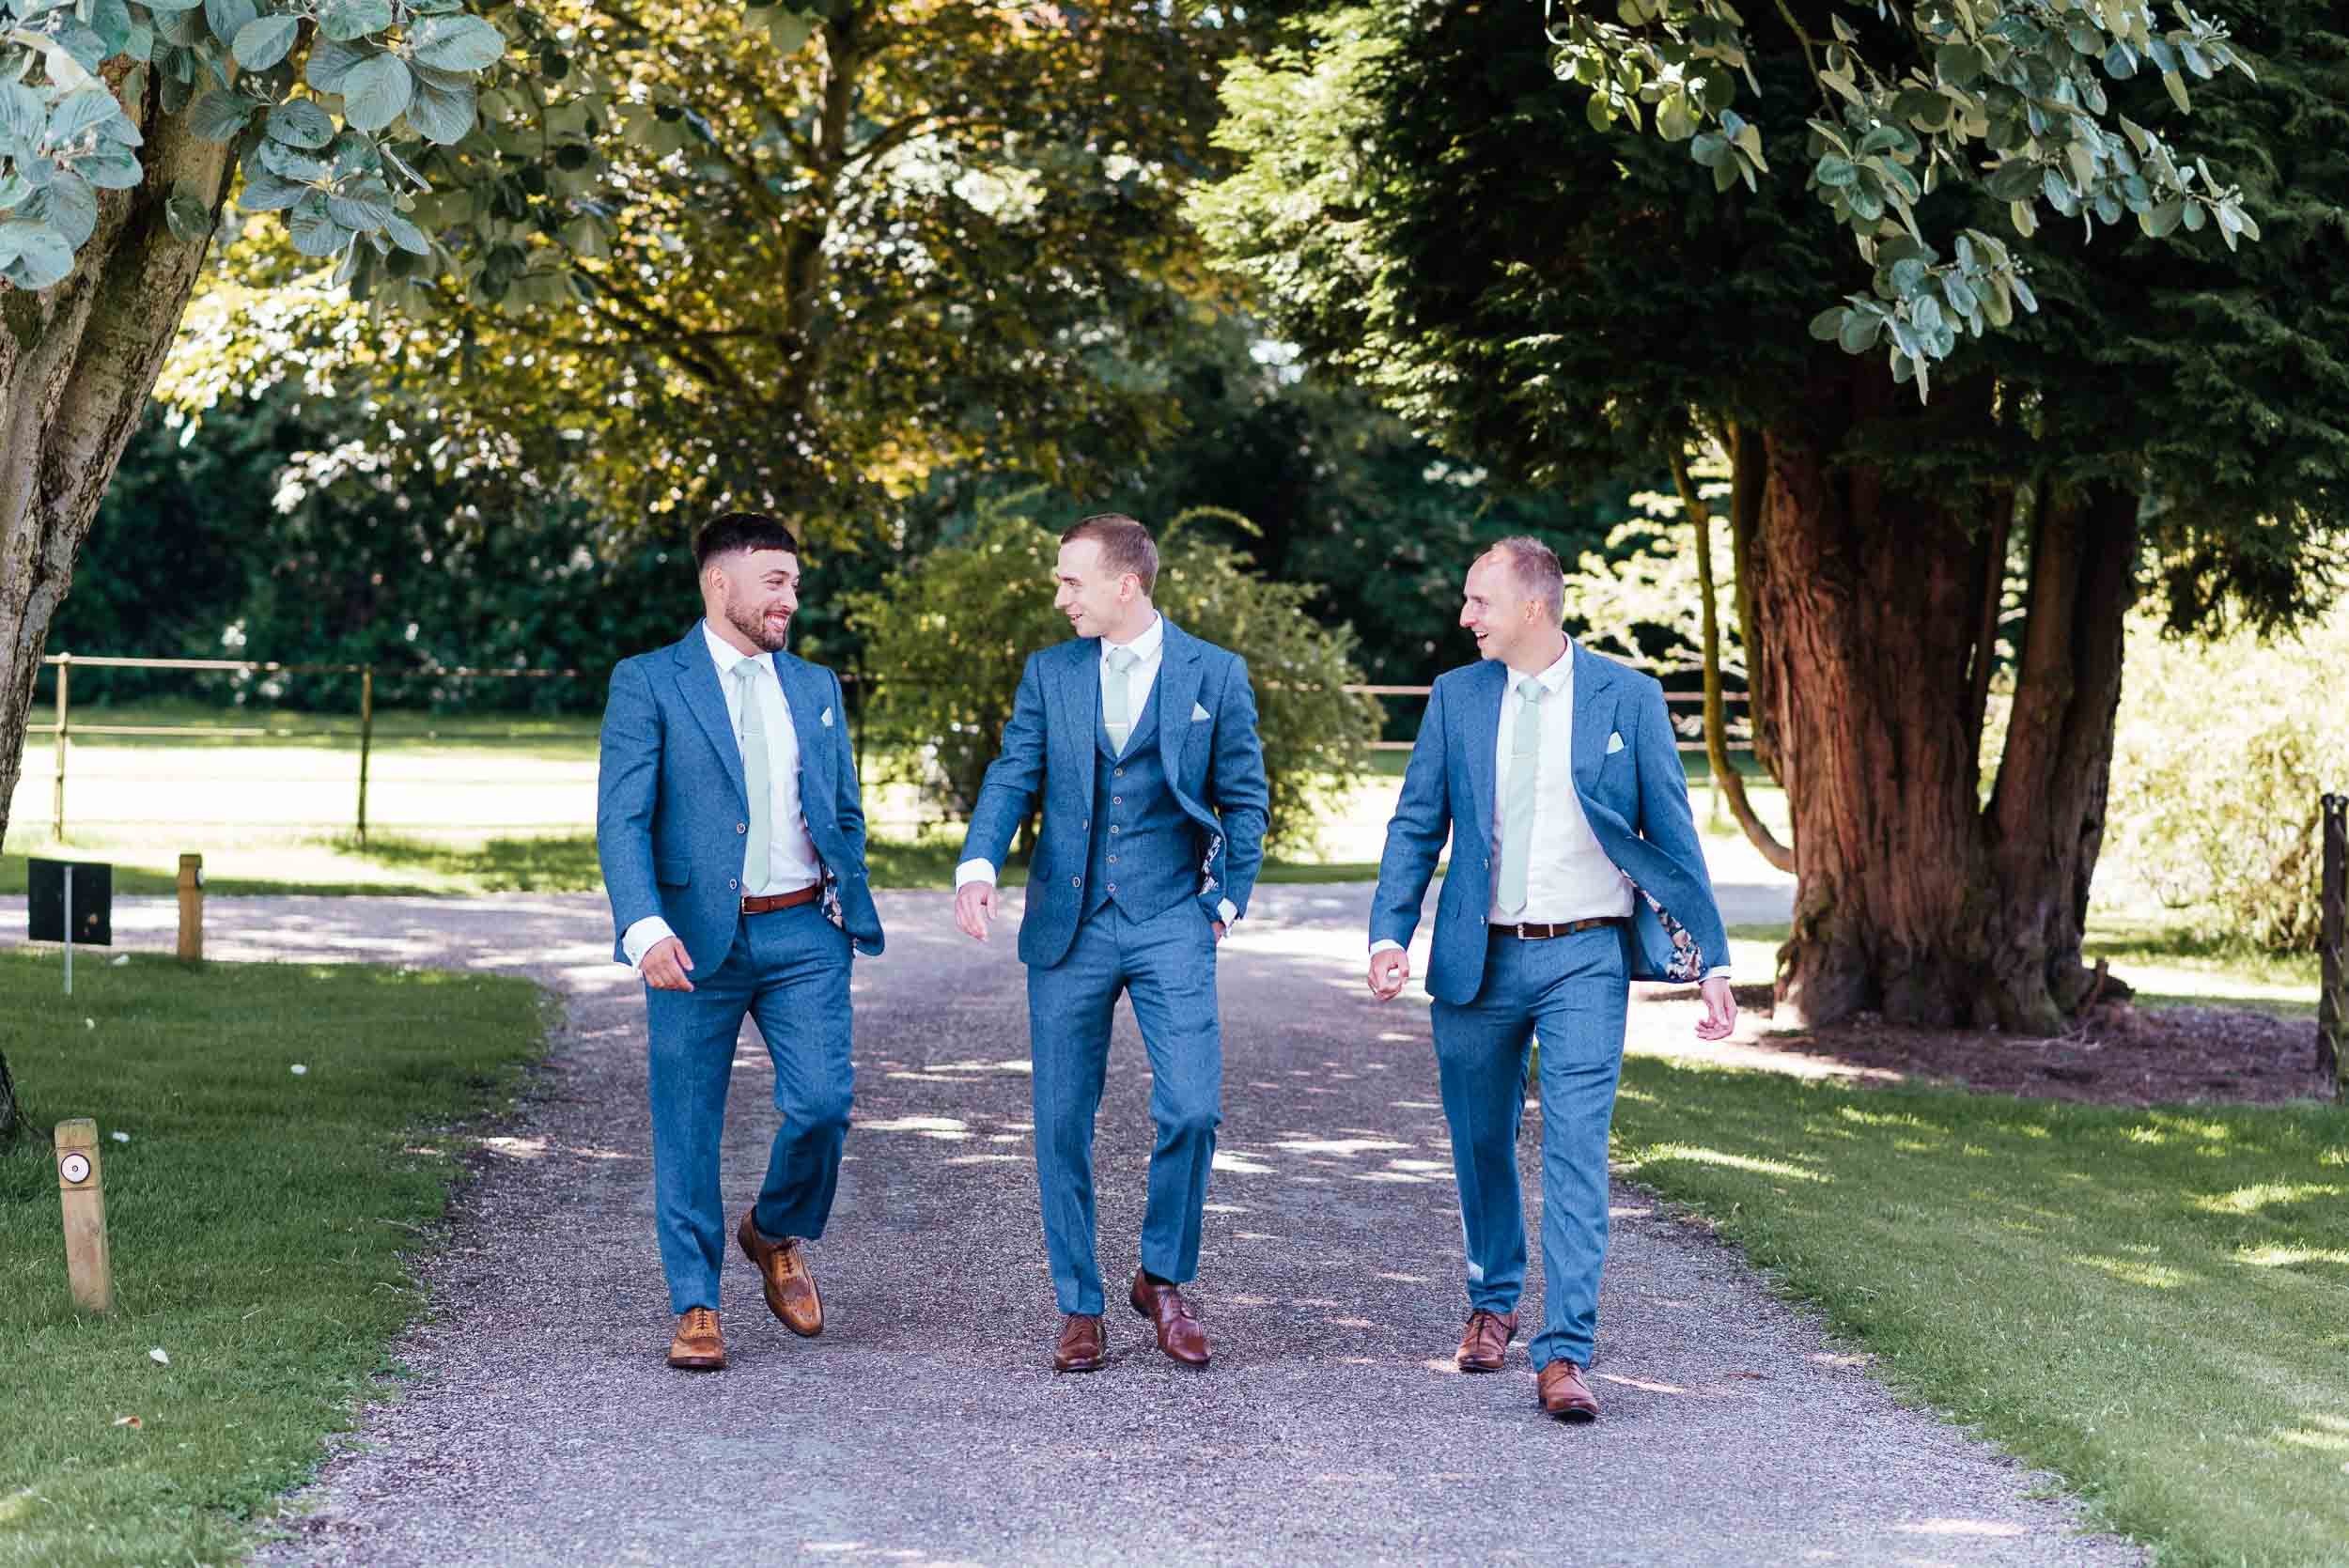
(1916, 899)
(77, 363)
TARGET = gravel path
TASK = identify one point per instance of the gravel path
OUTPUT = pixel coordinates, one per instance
(924, 1427)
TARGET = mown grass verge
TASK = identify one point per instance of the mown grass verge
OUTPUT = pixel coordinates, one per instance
(260, 1220)
(2152, 1304)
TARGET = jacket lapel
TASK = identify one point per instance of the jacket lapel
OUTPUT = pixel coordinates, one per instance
(1594, 713)
(802, 696)
(1073, 687)
(1177, 692)
(697, 685)
(1480, 739)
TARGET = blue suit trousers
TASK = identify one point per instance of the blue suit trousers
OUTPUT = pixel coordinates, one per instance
(1166, 966)
(788, 969)
(1570, 991)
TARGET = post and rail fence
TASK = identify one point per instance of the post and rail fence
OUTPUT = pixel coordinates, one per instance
(65, 729)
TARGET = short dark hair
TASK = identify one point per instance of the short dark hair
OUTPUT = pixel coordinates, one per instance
(731, 531)
(1126, 545)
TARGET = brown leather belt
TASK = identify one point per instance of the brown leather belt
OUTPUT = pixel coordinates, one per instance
(1529, 931)
(763, 903)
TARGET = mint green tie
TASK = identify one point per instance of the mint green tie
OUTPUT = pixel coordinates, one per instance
(756, 783)
(1115, 696)
(1516, 804)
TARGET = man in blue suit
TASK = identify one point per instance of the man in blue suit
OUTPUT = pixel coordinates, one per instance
(1575, 869)
(1141, 742)
(732, 837)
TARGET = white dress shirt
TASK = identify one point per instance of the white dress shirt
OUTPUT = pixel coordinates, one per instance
(1148, 649)
(791, 860)
(1567, 875)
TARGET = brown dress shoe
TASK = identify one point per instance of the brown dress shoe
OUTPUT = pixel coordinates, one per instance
(782, 1271)
(1565, 1394)
(1081, 1344)
(695, 1346)
(1485, 1341)
(1180, 1334)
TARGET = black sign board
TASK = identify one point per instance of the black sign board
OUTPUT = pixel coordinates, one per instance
(93, 901)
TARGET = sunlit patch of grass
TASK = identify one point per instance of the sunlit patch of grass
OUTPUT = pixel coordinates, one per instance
(259, 1217)
(2150, 1304)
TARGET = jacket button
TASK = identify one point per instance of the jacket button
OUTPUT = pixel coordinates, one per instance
(1115, 829)
(730, 884)
(1112, 887)
(1112, 860)
(1076, 881)
(741, 826)
(1117, 772)
(1117, 799)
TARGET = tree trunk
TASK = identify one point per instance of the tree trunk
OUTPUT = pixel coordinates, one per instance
(77, 363)
(1915, 900)
(1726, 777)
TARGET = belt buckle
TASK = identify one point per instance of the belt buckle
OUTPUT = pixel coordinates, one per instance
(1521, 936)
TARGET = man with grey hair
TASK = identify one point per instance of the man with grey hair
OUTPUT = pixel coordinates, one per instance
(1576, 868)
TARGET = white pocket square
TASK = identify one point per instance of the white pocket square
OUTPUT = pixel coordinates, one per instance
(1198, 713)
(825, 718)
(1615, 742)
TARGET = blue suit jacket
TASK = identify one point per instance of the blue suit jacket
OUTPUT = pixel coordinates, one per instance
(1636, 797)
(669, 797)
(1215, 765)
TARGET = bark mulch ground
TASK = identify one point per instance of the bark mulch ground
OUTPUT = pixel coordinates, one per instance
(2117, 1054)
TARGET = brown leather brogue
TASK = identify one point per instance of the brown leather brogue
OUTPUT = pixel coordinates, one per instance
(1180, 1334)
(695, 1346)
(1485, 1341)
(1081, 1343)
(1565, 1394)
(783, 1269)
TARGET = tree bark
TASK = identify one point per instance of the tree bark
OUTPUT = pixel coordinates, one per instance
(77, 363)
(1915, 900)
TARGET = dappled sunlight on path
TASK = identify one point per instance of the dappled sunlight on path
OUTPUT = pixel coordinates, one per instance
(923, 1425)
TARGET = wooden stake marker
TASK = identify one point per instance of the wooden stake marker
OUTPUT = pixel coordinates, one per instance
(83, 1193)
(191, 909)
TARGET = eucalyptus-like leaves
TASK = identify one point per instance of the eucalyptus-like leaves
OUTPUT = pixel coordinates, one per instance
(336, 108)
(2006, 93)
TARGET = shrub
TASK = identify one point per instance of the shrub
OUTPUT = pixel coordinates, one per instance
(948, 636)
(2222, 752)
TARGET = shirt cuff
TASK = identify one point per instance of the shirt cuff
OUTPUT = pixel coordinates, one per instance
(1229, 911)
(1385, 944)
(975, 870)
(643, 937)
(1721, 973)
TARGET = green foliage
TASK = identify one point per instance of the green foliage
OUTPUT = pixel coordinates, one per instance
(256, 535)
(796, 268)
(2010, 97)
(1421, 207)
(948, 636)
(2222, 751)
(322, 99)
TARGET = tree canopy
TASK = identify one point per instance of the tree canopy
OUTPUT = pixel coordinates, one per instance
(800, 268)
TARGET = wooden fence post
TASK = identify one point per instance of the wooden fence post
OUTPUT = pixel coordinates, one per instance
(367, 742)
(2332, 1003)
(191, 909)
(82, 1192)
(65, 682)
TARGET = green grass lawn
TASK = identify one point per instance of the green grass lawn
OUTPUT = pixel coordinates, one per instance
(2152, 1304)
(256, 1220)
